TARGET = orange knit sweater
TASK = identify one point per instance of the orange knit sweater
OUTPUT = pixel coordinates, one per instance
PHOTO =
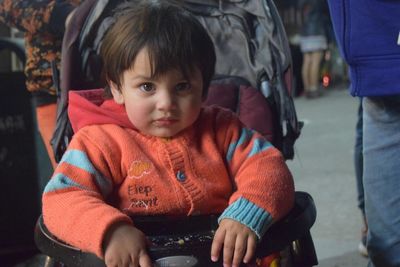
(111, 171)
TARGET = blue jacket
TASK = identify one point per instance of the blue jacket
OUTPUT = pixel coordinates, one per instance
(368, 34)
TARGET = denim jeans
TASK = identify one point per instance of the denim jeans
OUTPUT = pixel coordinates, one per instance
(381, 147)
(358, 158)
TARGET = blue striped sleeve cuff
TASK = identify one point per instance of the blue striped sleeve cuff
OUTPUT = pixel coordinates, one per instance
(249, 214)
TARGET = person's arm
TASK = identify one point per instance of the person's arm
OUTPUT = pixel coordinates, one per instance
(264, 193)
(35, 16)
(74, 201)
(264, 184)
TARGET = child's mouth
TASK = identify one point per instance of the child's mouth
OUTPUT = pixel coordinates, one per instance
(166, 121)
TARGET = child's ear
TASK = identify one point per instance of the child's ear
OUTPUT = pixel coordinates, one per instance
(116, 93)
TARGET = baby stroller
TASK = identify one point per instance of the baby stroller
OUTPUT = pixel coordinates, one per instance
(252, 82)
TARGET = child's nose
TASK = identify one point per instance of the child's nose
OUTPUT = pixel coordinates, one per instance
(166, 101)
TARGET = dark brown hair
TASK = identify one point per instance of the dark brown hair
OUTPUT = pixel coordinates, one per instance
(173, 37)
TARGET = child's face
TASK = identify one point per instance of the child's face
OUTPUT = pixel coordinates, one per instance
(160, 106)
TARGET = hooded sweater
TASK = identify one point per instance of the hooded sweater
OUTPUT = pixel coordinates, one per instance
(368, 34)
(111, 172)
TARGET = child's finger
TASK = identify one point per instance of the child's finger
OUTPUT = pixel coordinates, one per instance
(217, 244)
(251, 248)
(229, 248)
(239, 251)
(145, 261)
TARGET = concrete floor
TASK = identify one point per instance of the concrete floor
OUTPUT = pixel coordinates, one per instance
(323, 166)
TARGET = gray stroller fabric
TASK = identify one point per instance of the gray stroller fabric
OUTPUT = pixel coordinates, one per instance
(245, 34)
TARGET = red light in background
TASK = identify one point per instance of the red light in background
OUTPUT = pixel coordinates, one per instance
(326, 80)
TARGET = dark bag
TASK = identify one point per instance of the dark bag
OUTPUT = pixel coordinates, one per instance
(253, 69)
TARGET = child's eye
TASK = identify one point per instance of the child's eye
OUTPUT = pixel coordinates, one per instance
(181, 87)
(147, 87)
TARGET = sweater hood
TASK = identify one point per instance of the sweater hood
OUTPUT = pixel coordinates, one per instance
(89, 107)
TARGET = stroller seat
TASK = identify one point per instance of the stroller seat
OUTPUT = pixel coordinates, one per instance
(253, 78)
(186, 241)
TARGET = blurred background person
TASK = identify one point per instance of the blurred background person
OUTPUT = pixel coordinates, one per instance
(43, 25)
(314, 39)
(374, 60)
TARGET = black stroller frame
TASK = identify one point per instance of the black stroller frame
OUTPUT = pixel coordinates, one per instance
(186, 241)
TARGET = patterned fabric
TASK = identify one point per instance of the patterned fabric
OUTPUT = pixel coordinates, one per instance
(111, 171)
(42, 38)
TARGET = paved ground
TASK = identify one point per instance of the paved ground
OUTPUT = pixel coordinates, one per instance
(323, 166)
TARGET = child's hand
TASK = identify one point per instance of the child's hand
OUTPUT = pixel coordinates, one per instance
(125, 245)
(239, 243)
